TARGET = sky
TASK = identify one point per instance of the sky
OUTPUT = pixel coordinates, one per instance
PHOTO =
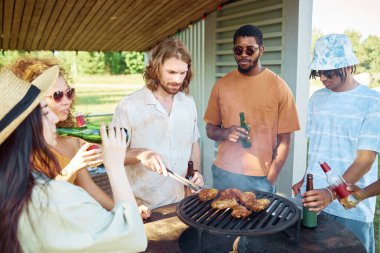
(336, 16)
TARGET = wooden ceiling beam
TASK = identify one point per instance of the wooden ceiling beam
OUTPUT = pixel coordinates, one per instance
(122, 21)
(68, 20)
(26, 17)
(42, 25)
(84, 24)
(123, 28)
(169, 28)
(16, 23)
(58, 6)
(108, 31)
(99, 23)
(33, 24)
(8, 16)
(73, 21)
(95, 25)
(149, 27)
(59, 24)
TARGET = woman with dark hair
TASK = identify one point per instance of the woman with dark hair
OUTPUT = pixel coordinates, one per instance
(72, 155)
(40, 214)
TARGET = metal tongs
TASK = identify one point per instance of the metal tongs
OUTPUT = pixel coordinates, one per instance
(183, 180)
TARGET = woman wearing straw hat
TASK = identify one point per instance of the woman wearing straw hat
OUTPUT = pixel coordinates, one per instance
(343, 130)
(71, 155)
(39, 214)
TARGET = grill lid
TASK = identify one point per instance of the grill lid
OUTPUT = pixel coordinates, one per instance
(279, 215)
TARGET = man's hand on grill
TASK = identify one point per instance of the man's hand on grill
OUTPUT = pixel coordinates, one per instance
(153, 161)
(197, 179)
(316, 199)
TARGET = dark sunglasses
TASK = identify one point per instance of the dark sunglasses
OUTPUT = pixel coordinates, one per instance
(327, 73)
(250, 50)
(58, 95)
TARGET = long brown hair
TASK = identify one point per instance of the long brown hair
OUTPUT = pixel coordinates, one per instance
(17, 155)
(30, 68)
(167, 49)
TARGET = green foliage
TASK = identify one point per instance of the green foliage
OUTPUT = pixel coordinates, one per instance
(115, 62)
(87, 63)
(135, 63)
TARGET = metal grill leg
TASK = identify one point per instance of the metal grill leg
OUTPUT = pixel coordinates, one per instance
(200, 232)
(244, 238)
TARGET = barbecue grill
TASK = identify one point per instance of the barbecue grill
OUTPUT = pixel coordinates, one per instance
(278, 216)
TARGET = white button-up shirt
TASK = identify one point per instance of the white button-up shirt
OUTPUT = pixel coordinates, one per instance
(170, 135)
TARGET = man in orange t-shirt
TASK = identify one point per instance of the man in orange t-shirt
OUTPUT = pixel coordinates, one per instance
(269, 109)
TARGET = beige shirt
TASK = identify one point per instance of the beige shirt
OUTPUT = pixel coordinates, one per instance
(171, 136)
(65, 218)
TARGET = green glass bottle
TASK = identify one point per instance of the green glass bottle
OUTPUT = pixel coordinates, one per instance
(244, 142)
(309, 219)
(85, 131)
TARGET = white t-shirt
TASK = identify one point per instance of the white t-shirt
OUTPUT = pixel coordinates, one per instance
(339, 124)
(171, 136)
(64, 218)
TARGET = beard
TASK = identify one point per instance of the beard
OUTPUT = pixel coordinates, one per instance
(245, 71)
(168, 90)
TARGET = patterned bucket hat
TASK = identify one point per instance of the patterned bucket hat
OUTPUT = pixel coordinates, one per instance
(333, 51)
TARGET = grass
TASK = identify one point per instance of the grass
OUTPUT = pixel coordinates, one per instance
(110, 79)
(97, 94)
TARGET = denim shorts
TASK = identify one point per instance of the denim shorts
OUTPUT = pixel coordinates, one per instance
(362, 230)
(223, 179)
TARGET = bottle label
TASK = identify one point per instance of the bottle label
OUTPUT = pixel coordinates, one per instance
(341, 191)
(81, 122)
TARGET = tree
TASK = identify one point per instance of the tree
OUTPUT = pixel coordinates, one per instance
(115, 62)
(134, 62)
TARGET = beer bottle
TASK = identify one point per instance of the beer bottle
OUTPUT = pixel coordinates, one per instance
(84, 131)
(309, 219)
(244, 142)
(346, 198)
(190, 170)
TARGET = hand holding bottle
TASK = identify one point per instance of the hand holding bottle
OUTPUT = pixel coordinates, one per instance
(85, 158)
(245, 142)
(345, 197)
(114, 146)
(234, 133)
(316, 199)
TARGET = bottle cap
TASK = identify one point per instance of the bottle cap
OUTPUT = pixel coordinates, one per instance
(325, 167)
(81, 121)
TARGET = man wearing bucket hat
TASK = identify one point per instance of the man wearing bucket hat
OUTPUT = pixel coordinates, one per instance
(342, 127)
(39, 214)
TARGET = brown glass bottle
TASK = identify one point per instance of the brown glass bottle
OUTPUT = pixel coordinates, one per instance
(309, 219)
(190, 170)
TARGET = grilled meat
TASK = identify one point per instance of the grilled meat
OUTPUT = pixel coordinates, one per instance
(224, 203)
(230, 193)
(240, 212)
(207, 194)
(247, 198)
(259, 205)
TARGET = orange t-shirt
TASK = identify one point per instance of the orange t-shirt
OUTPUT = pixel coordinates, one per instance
(63, 162)
(269, 109)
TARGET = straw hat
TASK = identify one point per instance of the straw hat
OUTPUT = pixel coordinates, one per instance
(333, 51)
(18, 98)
